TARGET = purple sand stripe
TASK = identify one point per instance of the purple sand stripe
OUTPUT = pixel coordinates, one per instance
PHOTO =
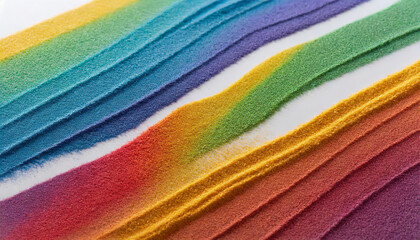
(391, 213)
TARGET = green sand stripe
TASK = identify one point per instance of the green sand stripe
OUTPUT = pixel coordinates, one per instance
(36, 65)
(319, 61)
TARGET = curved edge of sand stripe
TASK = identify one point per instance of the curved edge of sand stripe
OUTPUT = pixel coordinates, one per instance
(199, 195)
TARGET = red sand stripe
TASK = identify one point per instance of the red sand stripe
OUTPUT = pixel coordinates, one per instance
(320, 217)
(244, 203)
(288, 204)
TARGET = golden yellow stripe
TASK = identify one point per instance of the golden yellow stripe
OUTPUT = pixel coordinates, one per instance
(53, 27)
(196, 197)
(193, 121)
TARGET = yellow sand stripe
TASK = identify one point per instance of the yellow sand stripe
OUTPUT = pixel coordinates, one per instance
(63, 23)
(196, 197)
